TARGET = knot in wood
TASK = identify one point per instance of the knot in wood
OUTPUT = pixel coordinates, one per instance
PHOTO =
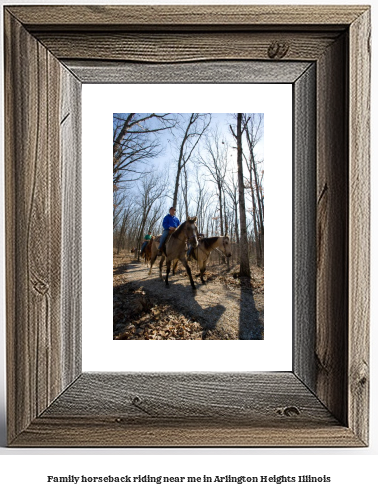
(140, 404)
(136, 400)
(278, 50)
(361, 375)
(41, 287)
(363, 381)
(288, 411)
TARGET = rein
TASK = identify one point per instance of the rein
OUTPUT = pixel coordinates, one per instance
(179, 239)
(224, 246)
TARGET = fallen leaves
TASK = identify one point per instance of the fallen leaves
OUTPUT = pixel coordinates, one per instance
(162, 322)
(137, 315)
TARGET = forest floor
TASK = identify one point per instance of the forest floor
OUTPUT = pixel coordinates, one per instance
(225, 308)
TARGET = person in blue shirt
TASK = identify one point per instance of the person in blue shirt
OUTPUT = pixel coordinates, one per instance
(170, 222)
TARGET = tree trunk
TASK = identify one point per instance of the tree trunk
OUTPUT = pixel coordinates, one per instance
(185, 192)
(121, 135)
(256, 224)
(260, 210)
(220, 209)
(244, 257)
(236, 224)
(122, 233)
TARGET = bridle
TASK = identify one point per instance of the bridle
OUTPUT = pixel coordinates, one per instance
(185, 239)
(194, 236)
(224, 245)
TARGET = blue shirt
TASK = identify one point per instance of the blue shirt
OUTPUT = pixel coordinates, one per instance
(170, 221)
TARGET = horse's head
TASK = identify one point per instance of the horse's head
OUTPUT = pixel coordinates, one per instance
(192, 231)
(226, 246)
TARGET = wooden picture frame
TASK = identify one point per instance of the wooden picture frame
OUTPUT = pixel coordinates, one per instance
(49, 52)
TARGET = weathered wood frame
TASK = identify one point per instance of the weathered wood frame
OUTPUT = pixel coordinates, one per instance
(49, 52)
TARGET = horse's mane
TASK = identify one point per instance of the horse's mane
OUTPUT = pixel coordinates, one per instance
(181, 227)
(178, 231)
(209, 242)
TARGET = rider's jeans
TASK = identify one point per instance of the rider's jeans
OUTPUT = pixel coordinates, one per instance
(163, 238)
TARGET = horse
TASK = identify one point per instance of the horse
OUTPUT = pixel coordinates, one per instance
(154, 255)
(148, 250)
(205, 247)
(175, 248)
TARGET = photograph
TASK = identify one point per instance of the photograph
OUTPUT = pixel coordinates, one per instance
(188, 243)
(188, 226)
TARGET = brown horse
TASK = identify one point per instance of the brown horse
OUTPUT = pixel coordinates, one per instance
(205, 247)
(175, 248)
(148, 250)
(154, 255)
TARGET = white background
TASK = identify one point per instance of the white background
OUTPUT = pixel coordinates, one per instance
(353, 471)
(100, 351)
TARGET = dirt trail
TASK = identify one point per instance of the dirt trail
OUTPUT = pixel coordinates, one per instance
(222, 305)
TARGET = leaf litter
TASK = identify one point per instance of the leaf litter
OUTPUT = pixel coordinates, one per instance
(142, 313)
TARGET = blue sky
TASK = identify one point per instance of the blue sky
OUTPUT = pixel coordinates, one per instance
(167, 160)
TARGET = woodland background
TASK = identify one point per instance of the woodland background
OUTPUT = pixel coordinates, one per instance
(208, 165)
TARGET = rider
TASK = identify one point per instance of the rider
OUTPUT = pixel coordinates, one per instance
(170, 222)
(146, 240)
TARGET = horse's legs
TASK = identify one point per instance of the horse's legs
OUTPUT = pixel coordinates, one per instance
(202, 266)
(175, 267)
(186, 265)
(161, 266)
(168, 269)
(153, 258)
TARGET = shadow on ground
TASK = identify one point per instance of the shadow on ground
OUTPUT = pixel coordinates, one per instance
(203, 305)
(250, 325)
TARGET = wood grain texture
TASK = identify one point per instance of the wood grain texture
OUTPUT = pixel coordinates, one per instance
(33, 190)
(100, 432)
(70, 162)
(200, 72)
(188, 396)
(304, 227)
(33, 227)
(184, 16)
(319, 404)
(331, 350)
(180, 47)
(223, 409)
(359, 226)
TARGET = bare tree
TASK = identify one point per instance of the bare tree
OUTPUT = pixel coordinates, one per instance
(215, 161)
(118, 202)
(244, 255)
(150, 191)
(185, 189)
(232, 190)
(121, 232)
(202, 201)
(135, 142)
(155, 215)
(253, 125)
(190, 137)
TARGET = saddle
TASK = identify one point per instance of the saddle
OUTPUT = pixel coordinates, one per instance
(166, 241)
